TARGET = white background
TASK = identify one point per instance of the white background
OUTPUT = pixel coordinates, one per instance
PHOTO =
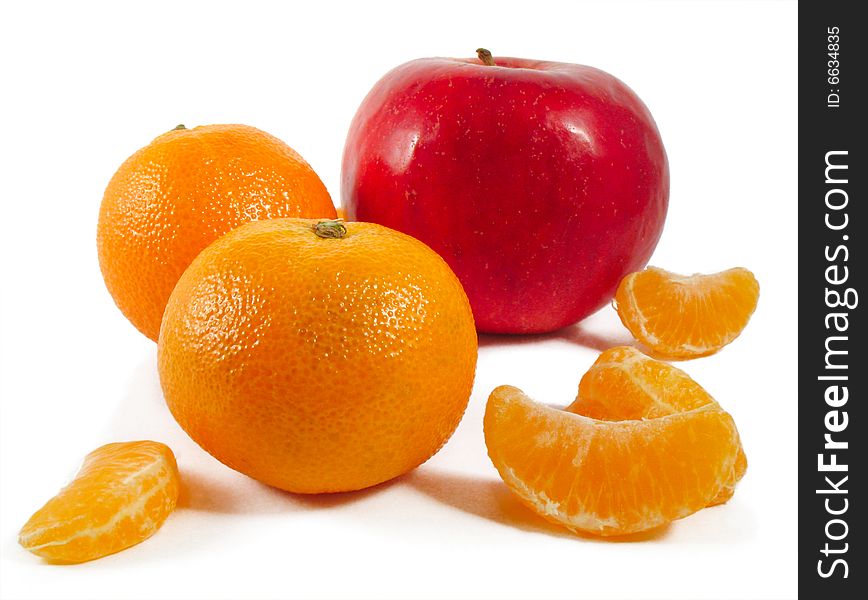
(85, 85)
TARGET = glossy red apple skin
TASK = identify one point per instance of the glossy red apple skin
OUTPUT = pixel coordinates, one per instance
(541, 184)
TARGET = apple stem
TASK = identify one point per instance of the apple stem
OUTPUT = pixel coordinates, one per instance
(333, 229)
(485, 56)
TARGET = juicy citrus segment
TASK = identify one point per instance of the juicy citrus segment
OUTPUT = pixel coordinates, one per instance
(609, 477)
(686, 316)
(625, 384)
(120, 497)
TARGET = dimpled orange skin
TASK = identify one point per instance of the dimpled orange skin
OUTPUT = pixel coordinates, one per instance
(185, 189)
(121, 496)
(316, 364)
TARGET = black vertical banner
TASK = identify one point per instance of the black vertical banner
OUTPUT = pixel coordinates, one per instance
(833, 370)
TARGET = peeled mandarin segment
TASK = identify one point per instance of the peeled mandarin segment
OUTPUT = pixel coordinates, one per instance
(609, 477)
(686, 316)
(625, 384)
(120, 497)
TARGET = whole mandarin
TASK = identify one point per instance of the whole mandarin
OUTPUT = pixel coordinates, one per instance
(318, 356)
(180, 193)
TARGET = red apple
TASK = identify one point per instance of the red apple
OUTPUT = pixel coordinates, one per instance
(541, 183)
